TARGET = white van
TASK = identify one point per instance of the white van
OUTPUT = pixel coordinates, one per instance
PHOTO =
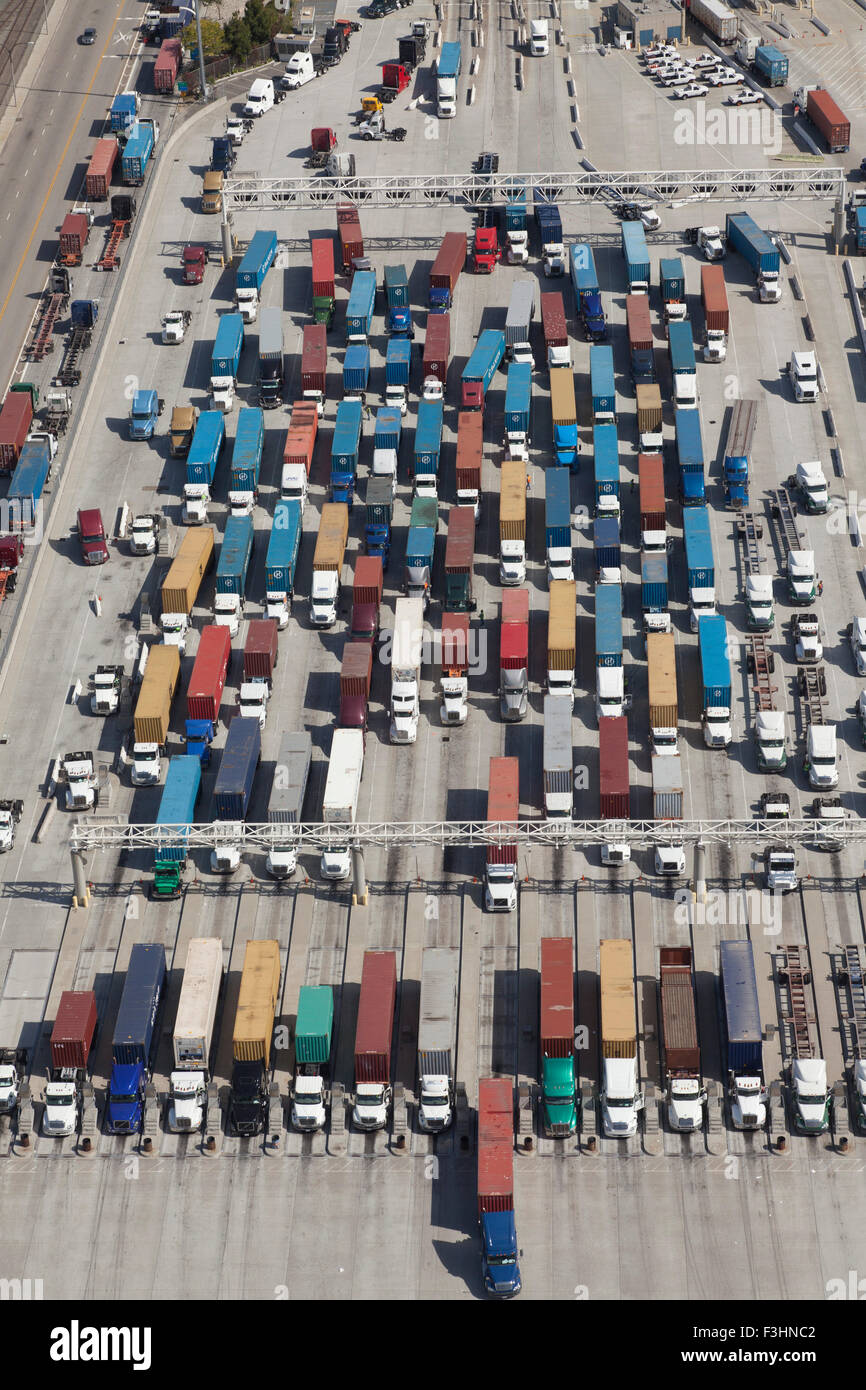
(260, 98)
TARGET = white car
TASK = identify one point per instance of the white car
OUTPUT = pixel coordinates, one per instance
(679, 79)
(725, 77)
(659, 50)
(744, 98)
(857, 638)
(707, 60)
(694, 89)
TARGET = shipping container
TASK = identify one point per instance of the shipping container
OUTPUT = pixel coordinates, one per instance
(97, 180)
(557, 997)
(503, 805)
(332, 536)
(375, 1017)
(662, 680)
(742, 1010)
(714, 298)
(286, 802)
(314, 1025)
(651, 478)
(553, 321)
(450, 260)
(323, 267)
(679, 1024)
(197, 1006)
(356, 672)
(459, 553)
(208, 678)
(167, 65)
(366, 597)
(234, 780)
(667, 779)
(437, 347)
(558, 757)
(613, 768)
(608, 625)
(721, 21)
(637, 262)
(314, 357)
(470, 448)
(15, 420)
(771, 64)
(74, 1027)
(829, 120)
(349, 228)
(257, 999)
(139, 1005)
(562, 614)
(261, 649)
(618, 1016)
(180, 590)
(521, 312)
(640, 337)
(495, 1145)
(27, 487)
(153, 708)
(74, 231)
(437, 1013)
(177, 807)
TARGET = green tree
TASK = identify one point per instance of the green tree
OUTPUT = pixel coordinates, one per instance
(238, 38)
(257, 21)
(212, 38)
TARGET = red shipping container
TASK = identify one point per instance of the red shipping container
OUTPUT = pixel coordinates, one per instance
(613, 767)
(450, 260)
(356, 672)
(640, 329)
(460, 545)
(495, 1144)
(455, 643)
(367, 585)
(470, 447)
(99, 170)
(74, 1027)
(553, 320)
(314, 357)
(830, 120)
(323, 267)
(651, 477)
(15, 420)
(437, 347)
(261, 649)
(515, 607)
(298, 447)
(513, 646)
(376, 1017)
(73, 237)
(349, 227)
(714, 297)
(209, 674)
(167, 66)
(557, 996)
(679, 1024)
(503, 804)
(304, 414)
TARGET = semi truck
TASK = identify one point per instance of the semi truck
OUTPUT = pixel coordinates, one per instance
(662, 682)
(621, 1100)
(340, 804)
(286, 802)
(437, 353)
(602, 387)
(557, 758)
(715, 680)
(829, 120)
(398, 366)
(324, 298)
(605, 452)
(15, 420)
(454, 685)
(233, 789)
(314, 1028)
(71, 1041)
(386, 443)
(700, 564)
(518, 411)
(398, 319)
(683, 365)
(348, 230)
(557, 524)
(738, 449)
(282, 560)
(450, 260)
(714, 298)
(420, 545)
(556, 1033)
(690, 454)
(366, 599)
(135, 1032)
(514, 655)
(672, 284)
(549, 225)
(252, 1038)
(480, 370)
(759, 253)
(345, 447)
(640, 335)
(470, 450)
(261, 652)
(739, 988)
(192, 1039)
(225, 361)
(563, 409)
(270, 357)
(314, 365)
(587, 295)
(181, 431)
(152, 715)
(512, 523)
(359, 310)
(459, 554)
(201, 465)
(250, 276)
(636, 255)
(328, 563)
(232, 570)
(427, 447)
(609, 673)
(138, 151)
(613, 773)
(561, 638)
(406, 656)
(27, 487)
(298, 449)
(437, 1038)
(607, 550)
(682, 1055)
(557, 351)
(654, 593)
(205, 690)
(356, 672)
(447, 74)
(176, 809)
(648, 398)
(246, 462)
(373, 1034)
(500, 1271)
(182, 583)
(518, 320)
(378, 515)
(503, 803)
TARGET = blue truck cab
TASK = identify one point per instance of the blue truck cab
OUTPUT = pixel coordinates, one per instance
(399, 317)
(587, 295)
(146, 410)
(379, 510)
(690, 452)
(133, 1040)
(499, 1267)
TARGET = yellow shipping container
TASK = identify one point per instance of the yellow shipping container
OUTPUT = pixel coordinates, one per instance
(562, 404)
(512, 501)
(649, 407)
(661, 654)
(332, 537)
(561, 620)
(153, 707)
(183, 581)
(257, 1002)
(618, 1017)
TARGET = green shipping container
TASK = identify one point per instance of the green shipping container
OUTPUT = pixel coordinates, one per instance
(315, 1021)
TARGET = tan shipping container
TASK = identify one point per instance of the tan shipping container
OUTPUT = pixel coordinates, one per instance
(332, 537)
(562, 402)
(183, 422)
(561, 621)
(183, 581)
(649, 407)
(662, 667)
(618, 1017)
(153, 706)
(512, 501)
(257, 1002)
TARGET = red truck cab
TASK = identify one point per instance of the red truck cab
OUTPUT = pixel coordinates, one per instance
(485, 250)
(91, 534)
(193, 265)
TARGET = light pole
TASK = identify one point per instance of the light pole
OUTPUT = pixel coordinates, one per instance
(205, 90)
(26, 43)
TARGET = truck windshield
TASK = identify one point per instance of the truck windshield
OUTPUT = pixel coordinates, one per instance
(500, 1260)
(620, 1102)
(54, 1101)
(122, 1100)
(429, 1100)
(148, 755)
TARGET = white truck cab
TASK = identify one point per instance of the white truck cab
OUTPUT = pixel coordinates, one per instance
(227, 612)
(780, 867)
(372, 1103)
(500, 888)
(609, 691)
(686, 1101)
(539, 41)
(553, 264)
(512, 562)
(186, 1101)
(748, 1102)
(711, 243)
(621, 1101)
(146, 764)
(811, 483)
(174, 629)
(336, 864)
(454, 708)
(810, 1095)
(803, 375)
(759, 600)
(801, 575)
(293, 484)
(174, 326)
(300, 69)
(822, 757)
(80, 773)
(323, 598)
(60, 1119)
(613, 855)
(260, 97)
(308, 1103)
(253, 699)
(670, 861)
(142, 535)
(432, 389)
(518, 248)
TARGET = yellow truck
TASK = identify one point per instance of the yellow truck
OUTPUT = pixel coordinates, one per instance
(182, 583)
(561, 621)
(252, 1038)
(152, 716)
(212, 191)
(328, 563)
(620, 1099)
(512, 523)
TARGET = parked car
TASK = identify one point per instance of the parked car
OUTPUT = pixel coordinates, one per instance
(694, 89)
(745, 98)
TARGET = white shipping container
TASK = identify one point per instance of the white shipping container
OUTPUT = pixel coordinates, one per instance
(196, 1010)
(717, 17)
(343, 785)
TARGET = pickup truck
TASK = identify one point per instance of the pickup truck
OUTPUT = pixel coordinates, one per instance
(174, 325)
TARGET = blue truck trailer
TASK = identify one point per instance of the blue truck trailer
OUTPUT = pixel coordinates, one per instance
(587, 295)
(201, 464)
(398, 364)
(746, 237)
(557, 523)
(700, 564)
(359, 310)
(344, 450)
(745, 1066)
(608, 551)
(608, 625)
(518, 403)
(233, 566)
(715, 679)
(356, 372)
(136, 154)
(420, 544)
(237, 770)
(672, 281)
(177, 805)
(250, 276)
(226, 359)
(246, 461)
(428, 447)
(860, 230)
(398, 319)
(683, 365)
(481, 368)
(602, 385)
(27, 486)
(134, 1033)
(123, 112)
(549, 224)
(605, 448)
(654, 593)
(772, 64)
(514, 214)
(378, 517)
(690, 453)
(637, 261)
(281, 561)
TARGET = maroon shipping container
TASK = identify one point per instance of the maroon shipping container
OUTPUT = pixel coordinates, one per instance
(679, 1025)
(356, 672)
(11, 552)
(74, 1026)
(557, 996)
(261, 649)
(640, 329)
(714, 297)
(450, 260)
(15, 419)
(366, 598)
(349, 227)
(460, 546)
(613, 767)
(470, 447)
(101, 167)
(455, 643)
(437, 346)
(376, 1017)
(495, 1144)
(167, 66)
(208, 677)
(827, 118)
(323, 267)
(553, 320)
(651, 475)
(503, 804)
(314, 357)
(73, 237)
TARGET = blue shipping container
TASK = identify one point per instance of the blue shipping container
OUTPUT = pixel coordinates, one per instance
(428, 438)
(518, 398)
(654, 583)
(715, 666)
(608, 625)
(605, 533)
(359, 310)
(347, 436)
(257, 261)
(672, 280)
(234, 781)
(634, 249)
(207, 443)
(605, 447)
(356, 369)
(283, 546)
(398, 360)
(742, 1011)
(486, 357)
(602, 380)
(247, 451)
(690, 447)
(682, 347)
(753, 244)
(139, 1002)
(136, 154)
(389, 425)
(557, 508)
(124, 110)
(177, 805)
(700, 565)
(237, 546)
(228, 343)
(28, 484)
